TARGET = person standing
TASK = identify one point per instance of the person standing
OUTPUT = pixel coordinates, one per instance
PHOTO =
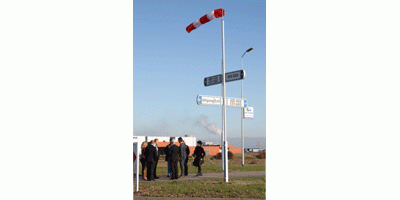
(156, 160)
(199, 155)
(151, 160)
(187, 159)
(174, 153)
(143, 160)
(168, 156)
(182, 156)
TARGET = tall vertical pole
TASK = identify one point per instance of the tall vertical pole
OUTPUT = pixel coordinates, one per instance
(224, 106)
(137, 166)
(241, 64)
(222, 134)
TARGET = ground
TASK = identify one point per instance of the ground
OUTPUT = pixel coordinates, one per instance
(246, 181)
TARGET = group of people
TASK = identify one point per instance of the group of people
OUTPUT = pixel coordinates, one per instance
(173, 155)
(149, 159)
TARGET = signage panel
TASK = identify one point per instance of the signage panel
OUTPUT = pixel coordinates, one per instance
(236, 102)
(209, 100)
(230, 76)
(204, 100)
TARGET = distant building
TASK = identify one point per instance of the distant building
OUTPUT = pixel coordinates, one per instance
(253, 150)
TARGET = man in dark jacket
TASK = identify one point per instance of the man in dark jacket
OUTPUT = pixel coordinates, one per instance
(182, 156)
(168, 156)
(174, 152)
(150, 160)
(187, 159)
(156, 160)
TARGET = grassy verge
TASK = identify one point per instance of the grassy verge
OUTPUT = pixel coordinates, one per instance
(253, 187)
(212, 165)
(214, 169)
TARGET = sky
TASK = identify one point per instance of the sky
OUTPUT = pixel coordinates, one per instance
(169, 66)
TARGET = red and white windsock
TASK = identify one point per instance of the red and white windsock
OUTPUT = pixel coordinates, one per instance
(206, 18)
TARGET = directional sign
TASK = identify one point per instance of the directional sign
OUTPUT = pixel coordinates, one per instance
(217, 101)
(209, 100)
(236, 102)
(231, 76)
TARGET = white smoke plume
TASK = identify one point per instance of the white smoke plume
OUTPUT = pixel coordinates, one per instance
(210, 127)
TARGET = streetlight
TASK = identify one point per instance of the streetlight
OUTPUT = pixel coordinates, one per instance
(241, 61)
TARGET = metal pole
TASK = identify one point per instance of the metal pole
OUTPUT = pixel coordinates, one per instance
(242, 117)
(241, 64)
(222, 134)
(224, 105)
(137, 166)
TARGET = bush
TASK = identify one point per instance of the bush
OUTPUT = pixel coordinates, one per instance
(219, 156)
(261, 155)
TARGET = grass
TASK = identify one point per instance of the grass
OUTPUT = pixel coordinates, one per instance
(215, 169)
(212, 165)
(253, 187)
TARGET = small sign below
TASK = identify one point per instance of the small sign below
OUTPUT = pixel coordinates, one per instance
(248, 113)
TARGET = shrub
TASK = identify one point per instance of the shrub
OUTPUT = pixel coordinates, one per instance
(219, 156)
(230, 155)
(261, 155)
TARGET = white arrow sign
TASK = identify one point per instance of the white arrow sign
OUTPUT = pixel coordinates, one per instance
(209, 100)
(236, 102)
(217, 101)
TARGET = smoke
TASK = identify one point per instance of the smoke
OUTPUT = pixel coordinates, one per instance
(210, 127)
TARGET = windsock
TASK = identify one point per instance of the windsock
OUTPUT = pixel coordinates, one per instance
(206, 18)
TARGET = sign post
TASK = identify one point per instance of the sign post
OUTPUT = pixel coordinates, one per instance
(224, 106)
(206, 18)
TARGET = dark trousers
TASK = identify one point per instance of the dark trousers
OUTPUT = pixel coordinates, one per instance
(199, 170)
(143, 163)
(144, 166)
(186, 167)
(182, 163)
(150, 170)
(174, 168)
(155, 168)
(169, 167)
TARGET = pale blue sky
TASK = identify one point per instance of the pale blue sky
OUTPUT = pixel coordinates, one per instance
(170, 65)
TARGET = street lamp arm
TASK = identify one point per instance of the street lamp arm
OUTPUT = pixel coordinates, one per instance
(247, 51)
